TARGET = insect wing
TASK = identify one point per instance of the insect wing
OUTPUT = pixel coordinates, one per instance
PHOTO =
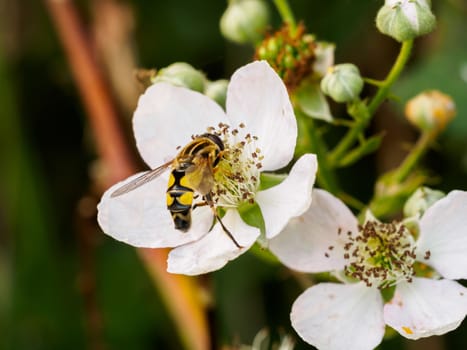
(201, 177)
(141, 180)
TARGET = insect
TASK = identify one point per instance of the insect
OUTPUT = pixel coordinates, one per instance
(192, 171)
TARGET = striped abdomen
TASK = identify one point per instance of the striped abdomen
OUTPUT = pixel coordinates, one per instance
(179, 200)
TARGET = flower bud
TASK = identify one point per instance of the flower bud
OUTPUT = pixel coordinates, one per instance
(217, 90)
(420, 201)
(342, 82)
(244, 21)
(405, 19)
(430, 110)
(181, 74)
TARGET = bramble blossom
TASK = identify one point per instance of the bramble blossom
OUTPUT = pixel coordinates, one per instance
(259, 133)
(368, 258)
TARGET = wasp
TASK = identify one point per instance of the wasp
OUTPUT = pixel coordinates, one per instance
(192, 171)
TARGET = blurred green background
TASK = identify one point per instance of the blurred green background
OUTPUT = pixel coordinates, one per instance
(63, 284)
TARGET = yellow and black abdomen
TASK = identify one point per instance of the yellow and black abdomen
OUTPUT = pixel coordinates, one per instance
(179, 200)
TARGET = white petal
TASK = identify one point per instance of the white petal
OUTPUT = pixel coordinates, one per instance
(443, 232)
(215, 249)
(426, 307)
(337, 316)
(168, 116)
(290, 198)
(409, 10)
(258, 98)
(141, 218)
(305, 242)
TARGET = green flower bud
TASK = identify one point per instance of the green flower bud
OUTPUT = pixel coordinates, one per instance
(405, 19)
(430, 111)
(273, 47)
(420, 201)
(262, 53)
(289, 61)
(342, 82)
(244, 21)
(311, 100)
(217, 90)
(181, 74)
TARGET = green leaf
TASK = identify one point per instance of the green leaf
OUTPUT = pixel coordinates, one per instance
(312, 102)
(264, 254)
(251, 214)
(269, 180)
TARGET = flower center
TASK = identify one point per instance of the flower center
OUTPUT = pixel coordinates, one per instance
(237, 173)
(381, 254)
(291, 55)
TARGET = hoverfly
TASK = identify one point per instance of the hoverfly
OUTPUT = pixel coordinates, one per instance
(192, 170)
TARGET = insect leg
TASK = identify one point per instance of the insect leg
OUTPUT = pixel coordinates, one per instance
(210, 202)
(200, 204)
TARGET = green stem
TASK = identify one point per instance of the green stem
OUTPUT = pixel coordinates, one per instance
(409, 163)
(326, 177)
(394, 73)
(374, 82)
(349, 139)
(286, 13)
(351, 201)
(393, 188)
(311, 141)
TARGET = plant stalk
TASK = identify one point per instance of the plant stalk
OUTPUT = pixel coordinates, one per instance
(352, 135)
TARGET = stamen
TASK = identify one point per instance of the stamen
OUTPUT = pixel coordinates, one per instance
(381, 254)
(427, 255)
(237, 173)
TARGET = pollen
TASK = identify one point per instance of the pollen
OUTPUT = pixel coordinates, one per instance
(380, 254)
(238, 172)
(427, 255)
(407, 330)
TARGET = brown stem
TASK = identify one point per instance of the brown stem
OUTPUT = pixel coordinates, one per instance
(179, 292)
(94, 92)
(85, 227)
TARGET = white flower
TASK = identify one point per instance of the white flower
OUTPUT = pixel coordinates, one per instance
(353, 315)
(259, 132)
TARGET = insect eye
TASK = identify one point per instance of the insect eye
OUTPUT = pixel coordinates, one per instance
(185, 165)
